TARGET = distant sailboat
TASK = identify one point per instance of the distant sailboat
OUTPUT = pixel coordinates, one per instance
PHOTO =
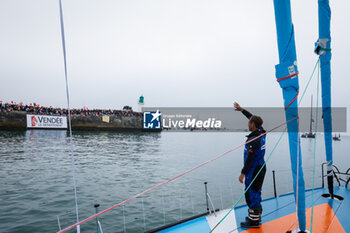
(310, 134)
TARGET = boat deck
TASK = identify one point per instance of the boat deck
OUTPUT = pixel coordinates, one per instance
(330, 215)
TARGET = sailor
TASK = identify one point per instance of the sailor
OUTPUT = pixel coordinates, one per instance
(254, 152)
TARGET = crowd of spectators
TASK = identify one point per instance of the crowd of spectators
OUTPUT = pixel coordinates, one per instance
(41, 110)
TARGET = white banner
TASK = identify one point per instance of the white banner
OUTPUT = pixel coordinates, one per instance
(46, 122)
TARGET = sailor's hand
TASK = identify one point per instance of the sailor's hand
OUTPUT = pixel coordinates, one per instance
(237, 106)
(241, 178)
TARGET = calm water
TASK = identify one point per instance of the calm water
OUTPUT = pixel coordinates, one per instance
(37, 186)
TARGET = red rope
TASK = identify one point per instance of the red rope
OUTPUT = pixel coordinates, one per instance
(295, 97)
(174, 178)
(287, 77)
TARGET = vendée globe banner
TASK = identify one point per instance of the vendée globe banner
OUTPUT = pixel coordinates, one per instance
(46, 122)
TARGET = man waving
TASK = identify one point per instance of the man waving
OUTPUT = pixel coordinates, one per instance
(254, 152)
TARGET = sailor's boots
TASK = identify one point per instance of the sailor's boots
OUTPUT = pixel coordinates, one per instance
(260, 211)
(252, 221)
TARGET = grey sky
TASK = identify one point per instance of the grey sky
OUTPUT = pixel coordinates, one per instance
(177, 53)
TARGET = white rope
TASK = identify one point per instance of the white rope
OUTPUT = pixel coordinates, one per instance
(163, 204)
(314, 159)
(100, 227)
(297, 191)
(124, 220)
(58, 221)
(180, 206)
(69, 116)
(192, 205)
(144, 215)
(222, 204)
(233, 194)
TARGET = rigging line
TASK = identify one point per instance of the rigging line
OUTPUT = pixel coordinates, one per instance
(297, 183)
(314, 165)
(124, 220)
(278, 141)
(174, 178)
(298, 155)
(69, 115)
(250, 182)
(308, 82)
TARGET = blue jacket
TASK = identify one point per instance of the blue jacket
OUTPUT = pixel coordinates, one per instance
(254, 151)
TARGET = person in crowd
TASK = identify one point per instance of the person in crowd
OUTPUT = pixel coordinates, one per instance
(41, 110)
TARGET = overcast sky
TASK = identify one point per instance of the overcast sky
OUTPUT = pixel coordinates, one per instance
(176, 53)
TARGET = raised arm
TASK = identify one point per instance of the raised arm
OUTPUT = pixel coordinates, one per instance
(239, 108)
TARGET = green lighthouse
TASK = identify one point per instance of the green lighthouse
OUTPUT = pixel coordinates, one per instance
(140, 103)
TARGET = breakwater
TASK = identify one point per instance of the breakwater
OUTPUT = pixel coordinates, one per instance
(17, 120)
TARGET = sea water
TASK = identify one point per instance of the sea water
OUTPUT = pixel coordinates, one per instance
(37, 185)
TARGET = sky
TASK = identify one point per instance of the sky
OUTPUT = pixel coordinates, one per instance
(197, 53)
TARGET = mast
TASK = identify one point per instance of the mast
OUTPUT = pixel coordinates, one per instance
(323, 49)
(287, 77)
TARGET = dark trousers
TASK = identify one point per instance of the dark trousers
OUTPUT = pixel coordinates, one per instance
(253, 195)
